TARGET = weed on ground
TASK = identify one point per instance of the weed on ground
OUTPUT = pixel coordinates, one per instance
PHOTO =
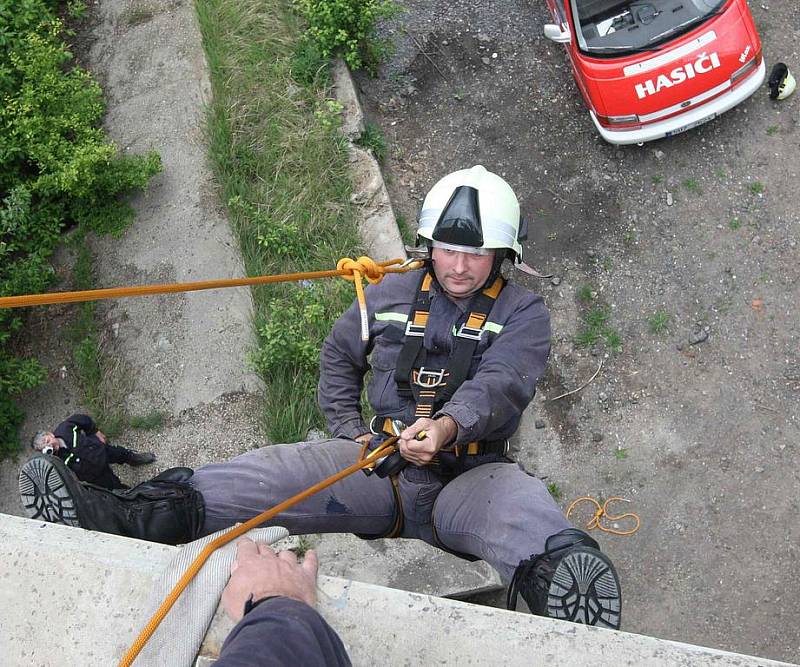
(101, 377)
(282, 167)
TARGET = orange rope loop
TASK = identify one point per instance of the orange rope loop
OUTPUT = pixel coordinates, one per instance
(362, 267)
(602, 511)
(354, 271)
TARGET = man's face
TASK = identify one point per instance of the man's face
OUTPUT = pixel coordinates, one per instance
(461, 273)
(51, 441)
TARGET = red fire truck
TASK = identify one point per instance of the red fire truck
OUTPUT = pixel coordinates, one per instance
(649, 69)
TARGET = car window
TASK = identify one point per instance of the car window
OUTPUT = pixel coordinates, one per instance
(561, 10)
(614, 27)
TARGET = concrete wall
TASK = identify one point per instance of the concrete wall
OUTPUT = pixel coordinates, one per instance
(75, 597)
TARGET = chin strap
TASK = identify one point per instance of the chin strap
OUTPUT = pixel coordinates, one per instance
(528, 270)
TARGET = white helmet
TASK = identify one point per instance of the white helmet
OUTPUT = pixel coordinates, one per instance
(472, 209)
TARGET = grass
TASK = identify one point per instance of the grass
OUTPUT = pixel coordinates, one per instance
(596, 329)
(692, 185)
(138, 14)
(757, 187)
(773, 130)
(658, 322)
(407, 234)
(372, 139)
(555, 491)
(620, 453)
(657, 179)
(735, 223)
(585, 293)
(629, 238)
(147, 422)
(102, 382)
(282, 168)
(303, 544)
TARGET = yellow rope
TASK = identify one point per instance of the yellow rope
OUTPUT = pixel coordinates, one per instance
(364, 460)
(602, 511)
(349, 269)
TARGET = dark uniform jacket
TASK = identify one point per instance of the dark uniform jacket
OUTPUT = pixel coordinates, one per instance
(86, 455)
(281, 632)
(510, 358)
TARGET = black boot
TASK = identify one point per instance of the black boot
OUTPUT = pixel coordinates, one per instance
(136, 459)
(166, 509)
(572, 580)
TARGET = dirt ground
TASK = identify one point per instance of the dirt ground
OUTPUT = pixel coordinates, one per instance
(703, 437)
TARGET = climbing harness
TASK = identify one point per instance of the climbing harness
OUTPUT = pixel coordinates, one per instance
(386, 448)
(602, 511)
(349, 269)
(428, 387)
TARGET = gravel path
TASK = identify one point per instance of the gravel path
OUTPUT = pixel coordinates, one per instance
(183, 355)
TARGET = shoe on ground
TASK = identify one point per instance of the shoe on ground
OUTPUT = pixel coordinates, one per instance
(137, 459)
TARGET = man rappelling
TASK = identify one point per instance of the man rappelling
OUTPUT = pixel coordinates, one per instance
(455, 352)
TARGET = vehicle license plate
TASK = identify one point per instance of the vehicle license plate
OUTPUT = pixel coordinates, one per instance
(672, 133)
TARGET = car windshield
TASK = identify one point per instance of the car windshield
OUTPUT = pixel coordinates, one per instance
(616, 27)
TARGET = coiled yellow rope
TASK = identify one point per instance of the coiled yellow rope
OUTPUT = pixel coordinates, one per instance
(602, 511)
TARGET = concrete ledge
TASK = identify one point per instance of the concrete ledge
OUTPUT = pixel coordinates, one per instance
(377, 225)
(75, 597)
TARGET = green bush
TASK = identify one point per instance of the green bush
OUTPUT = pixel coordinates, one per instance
(57, 171)
(296, 323)
(345, 27)
(372, 138)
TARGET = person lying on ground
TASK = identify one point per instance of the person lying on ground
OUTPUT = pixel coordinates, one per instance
(272, 598)
(85, 450)
(456, 351)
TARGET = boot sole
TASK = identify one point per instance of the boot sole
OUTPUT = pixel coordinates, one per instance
(585, 589)
(45, 489)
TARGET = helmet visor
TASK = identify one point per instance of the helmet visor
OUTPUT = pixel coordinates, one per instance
(460, 221)
(464, 248)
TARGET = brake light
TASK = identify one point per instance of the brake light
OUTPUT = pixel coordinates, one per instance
(620, 122)
(745, 69)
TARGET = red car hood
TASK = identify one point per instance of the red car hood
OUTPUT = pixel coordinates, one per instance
(684, 68)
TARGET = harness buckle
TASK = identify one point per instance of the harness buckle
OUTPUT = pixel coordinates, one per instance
(506, 447)
(469, 332)
(414, 329)
(425, 377)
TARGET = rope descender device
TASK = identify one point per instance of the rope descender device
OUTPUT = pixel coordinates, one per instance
(602, 511)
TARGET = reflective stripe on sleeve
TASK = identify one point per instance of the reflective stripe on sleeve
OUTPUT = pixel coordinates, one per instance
(391, 317)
